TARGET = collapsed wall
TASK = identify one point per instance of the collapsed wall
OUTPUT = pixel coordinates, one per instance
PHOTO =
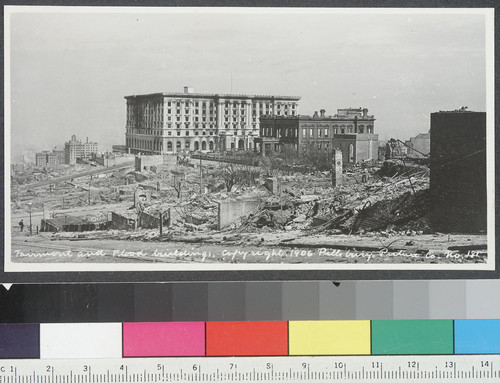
(230, 211)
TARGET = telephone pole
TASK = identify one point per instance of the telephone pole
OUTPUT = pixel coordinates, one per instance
(201, 176)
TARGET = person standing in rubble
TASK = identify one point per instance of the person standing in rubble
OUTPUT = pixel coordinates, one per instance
(21, 225)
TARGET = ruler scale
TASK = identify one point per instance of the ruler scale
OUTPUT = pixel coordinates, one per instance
(316, 369)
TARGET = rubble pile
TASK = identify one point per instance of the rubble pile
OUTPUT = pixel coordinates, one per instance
(408, 212)
(391, 168)
(362, 204)
(390, 197)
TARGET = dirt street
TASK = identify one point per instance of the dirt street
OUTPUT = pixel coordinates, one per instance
(242, 249)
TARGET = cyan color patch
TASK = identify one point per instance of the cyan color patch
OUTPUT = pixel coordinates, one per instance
(477, 336)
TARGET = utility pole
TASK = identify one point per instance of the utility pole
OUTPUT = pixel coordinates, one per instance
(201, 177)
(90, 180)
(281, 194)
(161, 223)
(31, 229)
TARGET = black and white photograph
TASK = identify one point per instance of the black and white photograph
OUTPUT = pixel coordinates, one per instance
(179, 139)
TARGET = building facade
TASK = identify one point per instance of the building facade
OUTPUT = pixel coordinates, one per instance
(46, 158)
(176, 122)
(75, 149)
(351, 130)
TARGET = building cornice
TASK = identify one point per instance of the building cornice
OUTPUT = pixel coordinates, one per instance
(214, 95)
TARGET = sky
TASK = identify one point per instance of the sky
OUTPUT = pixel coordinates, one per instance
(70, 70)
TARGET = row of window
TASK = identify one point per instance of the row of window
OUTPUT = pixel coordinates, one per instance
(156, 121)
(186, 118)
(178, 104)
(227, 110)
(186, 111)
(278, 133)
(148, 145)
(156, 109)
(308, 132)
(324, 132)
(321, 132)
(227, 104)
(187, 125)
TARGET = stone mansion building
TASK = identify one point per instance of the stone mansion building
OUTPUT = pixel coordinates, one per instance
(351, 130)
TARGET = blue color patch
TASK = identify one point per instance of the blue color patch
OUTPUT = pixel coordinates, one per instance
(19, 341)
(477, 336)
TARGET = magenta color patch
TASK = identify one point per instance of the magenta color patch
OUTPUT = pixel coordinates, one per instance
(164, 339)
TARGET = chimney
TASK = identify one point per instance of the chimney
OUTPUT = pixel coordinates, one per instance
(322, 111)
(365, 113)
(315, 114)
(188, 90)
(87, 140)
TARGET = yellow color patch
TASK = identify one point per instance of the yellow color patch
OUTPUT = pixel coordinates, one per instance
(329, 337)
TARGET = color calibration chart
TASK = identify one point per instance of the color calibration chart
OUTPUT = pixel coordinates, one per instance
(288, 351)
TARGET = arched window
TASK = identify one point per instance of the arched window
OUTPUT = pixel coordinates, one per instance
(351, 153)
(169, 146)
(178, 145)
(203, 145)
(196, 145)
(211, 145)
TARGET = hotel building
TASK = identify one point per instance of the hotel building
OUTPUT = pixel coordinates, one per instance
(176, 122)
(74, 149)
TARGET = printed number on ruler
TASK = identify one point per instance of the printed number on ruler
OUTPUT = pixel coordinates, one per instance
(439, 368)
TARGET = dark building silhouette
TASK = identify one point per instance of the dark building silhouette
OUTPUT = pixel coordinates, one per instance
(458, 171)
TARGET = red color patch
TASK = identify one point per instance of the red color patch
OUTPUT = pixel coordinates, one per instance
(247, 338)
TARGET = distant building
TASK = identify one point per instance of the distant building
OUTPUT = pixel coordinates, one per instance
(46, 158)
(41, 158)
(458, 197)
(175, 122)
(351, 130)
(26, 157)
(60, 156)
(74, 149)
(419, 146)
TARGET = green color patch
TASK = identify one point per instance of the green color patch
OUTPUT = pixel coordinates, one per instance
(412, 337)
